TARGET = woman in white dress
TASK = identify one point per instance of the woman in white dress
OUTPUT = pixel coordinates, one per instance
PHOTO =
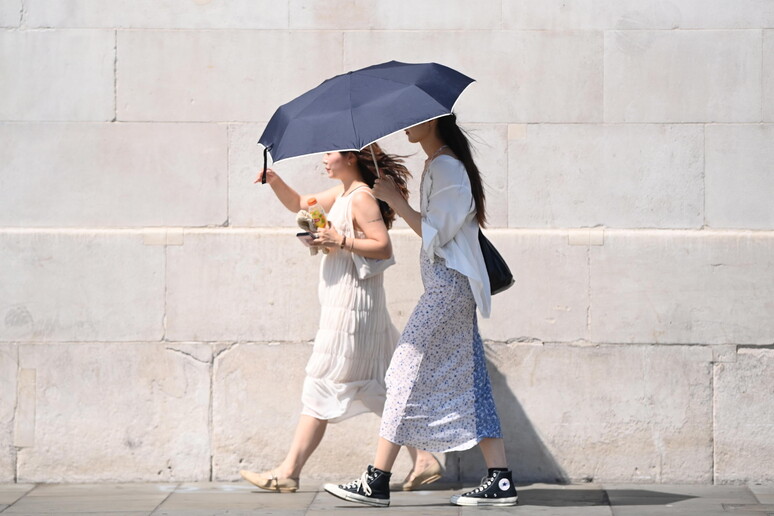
(356, 339)
(439, 397)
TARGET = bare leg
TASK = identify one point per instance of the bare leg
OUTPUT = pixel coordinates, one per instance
(494, 452)
(386, 453)
(309, 433)
(420, 459)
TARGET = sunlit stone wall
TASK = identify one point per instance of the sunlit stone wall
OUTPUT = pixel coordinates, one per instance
(156, 312)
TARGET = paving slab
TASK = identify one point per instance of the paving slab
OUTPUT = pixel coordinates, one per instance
(557, 500)
(704, 500)
(10, 493)
(414, 503)
(240, 498)
(200, 499)
(113, 499)
(764, 493)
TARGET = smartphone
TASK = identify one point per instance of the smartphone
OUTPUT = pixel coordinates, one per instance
(306, 238)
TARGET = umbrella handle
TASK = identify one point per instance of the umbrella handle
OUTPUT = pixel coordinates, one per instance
(373, 155)
(265, 152)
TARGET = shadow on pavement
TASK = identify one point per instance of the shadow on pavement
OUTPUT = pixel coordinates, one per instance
(548, 497)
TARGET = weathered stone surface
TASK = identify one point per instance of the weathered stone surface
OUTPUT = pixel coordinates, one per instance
(9, 365)
(257, 279)
(256, 405)
(549, 301)
(490, 151)
(10, 13)
(140, 412)
(63, 75)
(219, 75)
(739, 182)
(270, 275)
(168, 14)
(241, 285)
(63, 286)
(628, 413)
(637, 14)
(768, 76)
(539, 76)
(640, 233)
(744, 417)
(613, 175)
(98, 175)
(682, 76)
(683, 287)
(396, 15)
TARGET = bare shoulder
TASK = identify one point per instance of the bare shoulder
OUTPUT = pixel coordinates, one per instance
(363, 198)
(365, 209)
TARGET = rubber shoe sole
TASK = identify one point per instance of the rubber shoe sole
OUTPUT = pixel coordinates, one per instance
(484, 502)
(354, 497)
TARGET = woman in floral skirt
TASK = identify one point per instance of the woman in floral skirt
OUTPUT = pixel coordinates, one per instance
(439, 397)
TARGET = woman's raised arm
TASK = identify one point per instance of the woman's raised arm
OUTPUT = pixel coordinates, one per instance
(291, 199)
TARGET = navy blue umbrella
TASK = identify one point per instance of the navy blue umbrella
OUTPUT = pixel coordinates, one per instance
(350, 111)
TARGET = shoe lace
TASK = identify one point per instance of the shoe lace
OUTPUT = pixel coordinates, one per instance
(360, 482)
(485, 483)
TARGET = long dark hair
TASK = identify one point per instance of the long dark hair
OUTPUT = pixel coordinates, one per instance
(389, 165)
(457, 141)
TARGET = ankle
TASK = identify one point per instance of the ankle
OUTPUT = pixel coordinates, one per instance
(423, 463)
(284, 472)
(382, 471)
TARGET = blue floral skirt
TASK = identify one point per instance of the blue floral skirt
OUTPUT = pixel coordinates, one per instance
(439, 397)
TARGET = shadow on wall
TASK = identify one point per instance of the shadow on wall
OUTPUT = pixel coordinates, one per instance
(528, 457)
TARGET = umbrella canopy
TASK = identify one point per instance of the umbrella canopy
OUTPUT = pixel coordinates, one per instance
(352, 110)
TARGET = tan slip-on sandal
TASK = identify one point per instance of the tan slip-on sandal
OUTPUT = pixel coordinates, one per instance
(269, 481)
(414, 482)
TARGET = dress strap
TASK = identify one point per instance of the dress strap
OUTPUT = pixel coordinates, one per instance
(368, 191)
(350, 196)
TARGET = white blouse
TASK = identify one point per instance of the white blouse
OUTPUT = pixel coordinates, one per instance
(449, 225)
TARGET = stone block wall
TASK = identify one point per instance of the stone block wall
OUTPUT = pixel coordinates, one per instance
(156, 312)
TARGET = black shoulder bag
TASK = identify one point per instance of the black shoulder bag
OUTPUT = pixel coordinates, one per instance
(500, 277)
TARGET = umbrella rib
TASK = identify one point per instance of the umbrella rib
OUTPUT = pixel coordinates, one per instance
(351, 113)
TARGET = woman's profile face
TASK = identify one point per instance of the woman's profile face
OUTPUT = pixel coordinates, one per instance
(421, 131)
(333, 162)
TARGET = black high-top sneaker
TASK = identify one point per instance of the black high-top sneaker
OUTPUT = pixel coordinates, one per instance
(495, 489)
(372, 488)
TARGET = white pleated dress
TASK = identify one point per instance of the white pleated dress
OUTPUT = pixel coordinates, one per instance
(356, 339)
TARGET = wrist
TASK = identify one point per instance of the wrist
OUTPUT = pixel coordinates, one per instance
(402, 208)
